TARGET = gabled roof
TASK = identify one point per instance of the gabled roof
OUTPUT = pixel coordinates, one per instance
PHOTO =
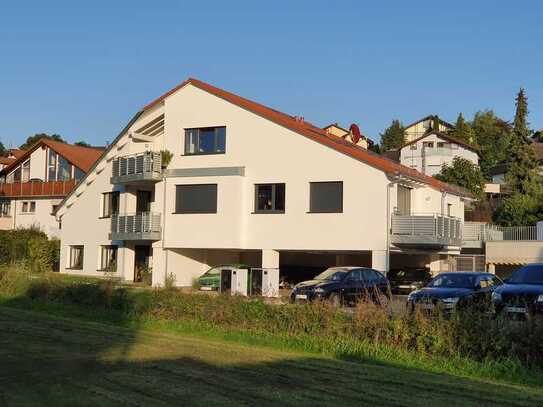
(316, 134)
(443, 136)
(431, 117)
(16, 152)
(82, 157)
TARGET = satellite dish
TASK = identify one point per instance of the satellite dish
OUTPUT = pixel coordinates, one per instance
(355, 133)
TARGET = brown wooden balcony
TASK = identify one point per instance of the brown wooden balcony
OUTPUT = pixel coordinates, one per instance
(37, 189)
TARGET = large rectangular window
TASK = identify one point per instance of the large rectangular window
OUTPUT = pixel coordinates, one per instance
(26, 171)
(64, 169)
(28, 206)
(76, 257)
(110, 204)
(326, 197)
(5, 209)
(52, 166)
(108, 258)
(200, 198)
(208, 140)
(270, 198)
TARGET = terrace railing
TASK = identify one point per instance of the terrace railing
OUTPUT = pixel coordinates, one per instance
(146, 166)
(426, 230)
(37, 189)
(136, 226)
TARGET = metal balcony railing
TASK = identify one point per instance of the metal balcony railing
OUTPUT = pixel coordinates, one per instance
(145, 166)
(426, 230)
(476, 233)
(136, 226)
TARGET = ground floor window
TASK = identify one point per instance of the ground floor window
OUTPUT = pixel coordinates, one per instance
(76, 257)
(5, 209)
(108, 258)
(28, 207)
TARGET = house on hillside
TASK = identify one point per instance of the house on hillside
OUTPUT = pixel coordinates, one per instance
(431, 151)
(353, 134)
(422, 126)
(34, 181)
(249, 184)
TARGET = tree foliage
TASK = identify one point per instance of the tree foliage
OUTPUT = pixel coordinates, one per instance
(523, 168)
(33, 139)
(492, 135)
(82, 144)
(393, 137)
(464, 173)
(462, 130)
(3, 150)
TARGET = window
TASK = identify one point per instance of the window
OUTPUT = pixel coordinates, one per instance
(5, 209)
(270, 198)
(428, 144)
(413, 146)
(64, 169)
(28, 206)
(209, 140)
(26, 171)
(110, 204)
(78, 174)
(76, 257)
(52, 166)
(200, 198)
(17, 175)
(54, 209)
(108, 258)
(326, 197)
(440, 144)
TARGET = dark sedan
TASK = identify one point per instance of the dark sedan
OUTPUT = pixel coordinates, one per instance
(344, 285)
(522, 294)
(449, 291)
(403, 281)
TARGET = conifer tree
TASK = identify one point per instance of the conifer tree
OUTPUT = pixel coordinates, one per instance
(393, 137)
(462, 130)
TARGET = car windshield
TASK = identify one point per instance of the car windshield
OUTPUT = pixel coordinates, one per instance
(332, 274)
(453, 281)
(528, 275)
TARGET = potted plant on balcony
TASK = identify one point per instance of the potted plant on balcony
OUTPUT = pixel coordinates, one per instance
(166, 158)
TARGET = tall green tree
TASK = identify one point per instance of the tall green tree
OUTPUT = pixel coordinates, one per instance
(393, 137)
(33, 139)
(82, 143)
(523, 168)
(464, 173)
(492, 135)
(3, 150)
(462, 130)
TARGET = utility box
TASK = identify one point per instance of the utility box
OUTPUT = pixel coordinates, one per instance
(264, 282)
(234, 281)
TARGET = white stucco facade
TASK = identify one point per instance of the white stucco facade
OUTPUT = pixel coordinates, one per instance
(258, 151)
(430, 153)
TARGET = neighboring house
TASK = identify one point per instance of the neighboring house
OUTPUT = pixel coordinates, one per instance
(430, 152)
(248, 184)
(353, 134)
(10, 157)
(498, 172)
(422, 126)
(36, 180)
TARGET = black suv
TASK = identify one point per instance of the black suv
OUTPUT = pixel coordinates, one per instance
(405, 280)
(450, 291)
(344, 285)
(522, 293)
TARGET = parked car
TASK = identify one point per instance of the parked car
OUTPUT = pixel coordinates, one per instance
(450, 291)
(405, 280)
(211, 279)
(522, 293)
(344, 285)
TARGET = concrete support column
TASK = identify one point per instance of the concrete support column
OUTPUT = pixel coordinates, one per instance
(435, 267)
(160, 266)
(379, 260)
(492, 268)
(125, 262)
(270, 259)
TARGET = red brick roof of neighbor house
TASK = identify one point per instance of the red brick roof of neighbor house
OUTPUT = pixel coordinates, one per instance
(82, 157)
(16, 152)
(317, 134)
(6, 160)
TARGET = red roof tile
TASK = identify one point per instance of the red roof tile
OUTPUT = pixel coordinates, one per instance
(6, 160)
(81, 157)
(317, 134)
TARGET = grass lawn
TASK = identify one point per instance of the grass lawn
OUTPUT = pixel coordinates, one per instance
(47, 360)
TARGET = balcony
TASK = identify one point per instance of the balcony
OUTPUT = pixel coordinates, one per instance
(475, 234)
(37, 189)
(137, 167)
(136, 226)
(426, 231)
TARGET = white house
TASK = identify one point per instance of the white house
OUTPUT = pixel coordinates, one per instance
(34, 182)
(431, 151)
(422, 126)
(248, 184)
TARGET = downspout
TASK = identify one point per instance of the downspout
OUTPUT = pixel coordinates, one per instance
(390, 185)
(164, 227)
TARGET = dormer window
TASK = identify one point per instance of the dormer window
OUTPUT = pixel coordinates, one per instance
(206, 140)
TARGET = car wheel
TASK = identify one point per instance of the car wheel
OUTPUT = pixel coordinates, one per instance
(335, 300)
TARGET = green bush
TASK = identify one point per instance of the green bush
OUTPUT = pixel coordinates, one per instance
(29, 247)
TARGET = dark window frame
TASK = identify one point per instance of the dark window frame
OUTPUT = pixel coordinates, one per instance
(177, 210)
(215, 141)
(110, 252)
(108, 197)
(79, 266)
(311, 202)
(274, 191)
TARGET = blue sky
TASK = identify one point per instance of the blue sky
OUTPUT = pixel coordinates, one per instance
(81, 69)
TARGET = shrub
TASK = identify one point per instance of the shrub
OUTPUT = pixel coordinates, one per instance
(29, 246)
(40, 257)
